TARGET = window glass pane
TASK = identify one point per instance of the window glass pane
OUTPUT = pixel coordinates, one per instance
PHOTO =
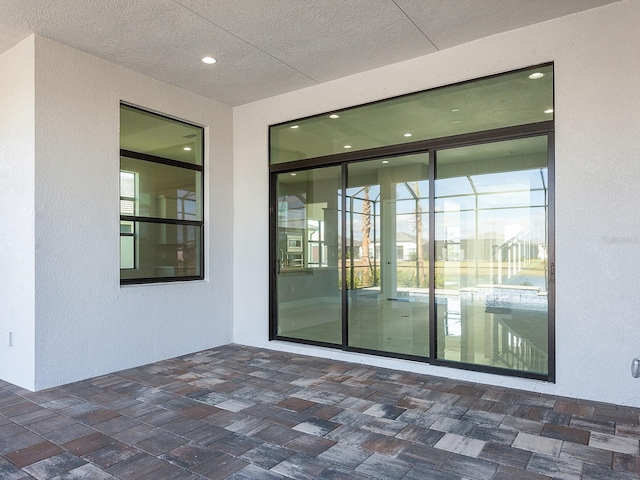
(162, 251)
(515, 98)
(491, 266)
(145, 132)
(163, 191)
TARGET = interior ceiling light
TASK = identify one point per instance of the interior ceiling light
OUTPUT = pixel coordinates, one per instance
(209, 60)
(407, 134)
(334, 116)
(456, 121)
(455, 109)
(549, 110)
(293, 174)
(347, 146)
(536, 75)
(187, 149)
(294, 126)
(385, 161)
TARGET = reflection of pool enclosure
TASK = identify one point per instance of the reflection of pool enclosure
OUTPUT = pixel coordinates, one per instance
(436, 251)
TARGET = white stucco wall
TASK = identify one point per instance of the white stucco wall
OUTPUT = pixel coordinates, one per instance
(597, 116)
(86, 323)
(17, 238)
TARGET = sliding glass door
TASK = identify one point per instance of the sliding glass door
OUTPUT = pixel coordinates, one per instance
(387, 263)
(491, 254)
(308, 268)
(440, 256)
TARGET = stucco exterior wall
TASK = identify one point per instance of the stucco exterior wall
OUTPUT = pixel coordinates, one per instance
(17, 203)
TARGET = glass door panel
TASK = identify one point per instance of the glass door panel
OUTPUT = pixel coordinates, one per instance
(387, 255)
(491, 265)
(309, 301)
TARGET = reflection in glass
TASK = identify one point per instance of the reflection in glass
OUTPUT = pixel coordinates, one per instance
(491, 254)
(161, 251)
(151, 134)
(308, 248)
(387, 259)
(162, 191)
(513, 98)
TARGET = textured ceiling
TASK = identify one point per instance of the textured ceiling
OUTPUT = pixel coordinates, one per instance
(266, 47)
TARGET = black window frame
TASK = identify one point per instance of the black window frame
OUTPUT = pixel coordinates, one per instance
(165, 221)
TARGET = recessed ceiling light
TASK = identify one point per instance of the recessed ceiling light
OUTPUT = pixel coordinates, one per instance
(209, 60)
(347, 146)
(407, 134)
(456, 121)
(293, 174)
(385, 161)
(536, 75)
(455, 109)
(294, 126)
(549, 110)
(187, 149)
(334, 116)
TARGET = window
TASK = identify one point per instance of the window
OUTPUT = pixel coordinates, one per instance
(437, 248)
(161, 198)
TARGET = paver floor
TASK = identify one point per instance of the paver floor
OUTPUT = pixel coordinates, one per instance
(245, 413)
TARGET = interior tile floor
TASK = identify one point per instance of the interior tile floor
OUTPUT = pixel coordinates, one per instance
(245, 413)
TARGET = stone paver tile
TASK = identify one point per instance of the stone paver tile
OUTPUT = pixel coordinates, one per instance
(52, 466)
(310, 444)
(11, 442)
(277, 434)
(593, 425)
(254, 472)
(505, 455)
(586, 454)
(522, 425)
(626, 463)
(219, 466)
(161, 443)
(567, 434)
(345, 455)
(384, 444)
(111, 454)
(186, 456)
(461, 445)
(511, 473)
(424, 472)
(34, 453)
(88, 443)
(96, 416)
(235, 444)
(383, 426)
(335, 472)
(384, 467)
(535, 443)
(593, 472)
(136, 466)
(301, 467)
(468, 467)
(8, 471)
(556, 468)
(267, 455)
(316, 426)
(452, 425)
(233, 405)
(296, 404)
(415, 433)
(85, 472)
(384, 411)
(613, 443)
(573, 408)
